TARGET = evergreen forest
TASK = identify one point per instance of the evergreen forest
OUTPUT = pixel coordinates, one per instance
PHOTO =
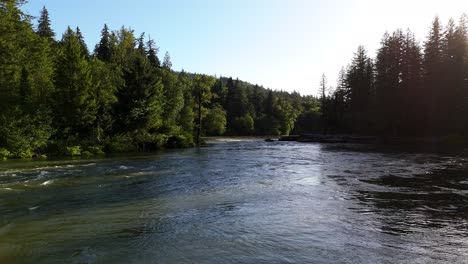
(60, 97)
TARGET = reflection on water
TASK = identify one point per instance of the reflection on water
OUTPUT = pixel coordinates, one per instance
(238, 202)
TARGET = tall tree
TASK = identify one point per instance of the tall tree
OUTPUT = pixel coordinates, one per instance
(411, 92)
(26, 72)
(84, 47)
(140, 101)
(433, 70)
(202, 91)
(360, 78)
(167, 64)
(323, 100)
(153, 53)
(44, 29)
(103, 50)
(454, 43)
(75, 105)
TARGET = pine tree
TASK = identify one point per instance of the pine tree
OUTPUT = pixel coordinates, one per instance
(411, 85)
(25, 84)
(323, 100)
(44, 29)
(140, 101)
(106, 80)
(153, 53)
(103, 49)
(84, 47)
(360, 77)
(433, 83)
(75, 105)
(167, 64)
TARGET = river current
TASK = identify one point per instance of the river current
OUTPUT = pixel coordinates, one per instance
(239, 201)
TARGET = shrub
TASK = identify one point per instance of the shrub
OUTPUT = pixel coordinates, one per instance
(86, 154)
(120, 143)
(73, 151)
(4, 154)
(96, 150)
(179, 141)
(26, 154)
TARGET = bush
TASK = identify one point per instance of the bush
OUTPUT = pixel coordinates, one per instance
(86, 154)
(96, 150)
(73, 151)
(4, 154)
(243, 126)
(26, 154)
(160, 140)
(179, 141)
(120, 143)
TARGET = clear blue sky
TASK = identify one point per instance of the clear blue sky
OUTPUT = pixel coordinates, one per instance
(280, 44)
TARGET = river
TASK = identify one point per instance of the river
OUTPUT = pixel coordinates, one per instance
(238, 201)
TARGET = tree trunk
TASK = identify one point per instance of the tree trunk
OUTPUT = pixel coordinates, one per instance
(199, 118)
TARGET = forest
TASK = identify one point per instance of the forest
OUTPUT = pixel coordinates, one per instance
(58, 97)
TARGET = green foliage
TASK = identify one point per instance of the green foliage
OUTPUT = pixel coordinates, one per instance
(25, 154)
(202, 92)
(86, 153)
(215, 121)
(73, 151)
(22, 134)
(57, 97)
(179, 141)
(75, 105)
(4, 154)
(244, 125)
(44, 29)
(120, 143)
(95, 150)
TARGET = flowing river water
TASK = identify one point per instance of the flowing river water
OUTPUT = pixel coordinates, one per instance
(239, 202)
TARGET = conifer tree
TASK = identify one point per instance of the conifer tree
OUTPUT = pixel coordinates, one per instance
(44, 29)
(84, 47)
(167, 64)
(75, 105)
(103, 49)
(433, 70)
(153, 53)
(360, 77)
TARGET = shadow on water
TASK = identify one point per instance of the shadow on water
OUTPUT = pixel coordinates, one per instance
(408, 190)
(431, 200)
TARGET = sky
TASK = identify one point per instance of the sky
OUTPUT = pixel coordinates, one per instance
(280, 44)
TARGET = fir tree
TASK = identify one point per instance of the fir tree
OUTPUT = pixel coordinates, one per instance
(103, 49)
(44, 29)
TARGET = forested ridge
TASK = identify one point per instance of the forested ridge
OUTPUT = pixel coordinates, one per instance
(57, 97)
(60, 98)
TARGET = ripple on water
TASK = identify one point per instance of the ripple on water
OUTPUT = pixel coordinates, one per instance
(242, 202)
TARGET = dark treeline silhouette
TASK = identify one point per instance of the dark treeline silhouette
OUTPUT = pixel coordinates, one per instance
(408, 89)
(57, 97)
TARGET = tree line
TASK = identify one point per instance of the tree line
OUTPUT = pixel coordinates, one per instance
(58, 97)
(408, 89)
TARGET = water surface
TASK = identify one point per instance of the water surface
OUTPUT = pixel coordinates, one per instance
(238, 202)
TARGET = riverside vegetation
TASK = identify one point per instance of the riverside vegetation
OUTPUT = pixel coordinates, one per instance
(59, 98)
